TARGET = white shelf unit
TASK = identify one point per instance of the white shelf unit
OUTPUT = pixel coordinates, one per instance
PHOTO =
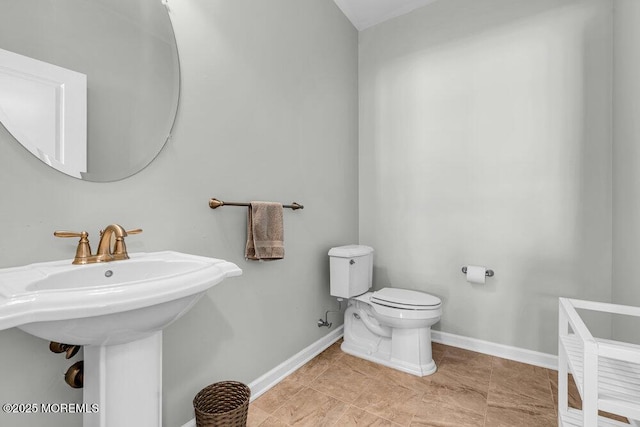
(607, 373)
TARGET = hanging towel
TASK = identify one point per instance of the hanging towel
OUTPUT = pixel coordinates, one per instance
(265, 231)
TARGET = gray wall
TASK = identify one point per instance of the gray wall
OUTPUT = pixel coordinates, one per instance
(268, 111)
(485, 138)
(626, 176)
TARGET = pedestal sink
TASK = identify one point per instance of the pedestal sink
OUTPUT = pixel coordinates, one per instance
(117, 310)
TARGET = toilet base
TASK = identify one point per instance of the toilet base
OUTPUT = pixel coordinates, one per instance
(385, 359)
(407, 350)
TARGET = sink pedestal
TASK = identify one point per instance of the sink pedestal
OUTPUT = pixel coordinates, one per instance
(125, 380)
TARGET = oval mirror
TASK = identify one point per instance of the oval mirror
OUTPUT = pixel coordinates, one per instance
(124, 53)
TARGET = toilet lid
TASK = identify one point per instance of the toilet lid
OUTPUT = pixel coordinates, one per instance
(406, 299)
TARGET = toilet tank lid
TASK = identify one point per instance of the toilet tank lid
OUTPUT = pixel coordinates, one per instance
(350, 251)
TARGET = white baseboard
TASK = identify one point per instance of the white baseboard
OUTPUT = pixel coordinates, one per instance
(261, 385)
(523, 355)
(270, 379)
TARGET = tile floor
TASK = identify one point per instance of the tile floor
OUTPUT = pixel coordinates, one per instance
(469, 389)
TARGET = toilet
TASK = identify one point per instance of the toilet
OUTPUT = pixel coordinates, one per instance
(391, 326)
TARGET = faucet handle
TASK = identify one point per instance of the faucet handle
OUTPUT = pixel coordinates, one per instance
(83, 252)
(119, 247)
(81, 234)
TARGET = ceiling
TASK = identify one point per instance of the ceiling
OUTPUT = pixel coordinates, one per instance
(366, 13)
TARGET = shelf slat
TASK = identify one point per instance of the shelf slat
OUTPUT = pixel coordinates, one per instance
(618, 381)
(573, 418)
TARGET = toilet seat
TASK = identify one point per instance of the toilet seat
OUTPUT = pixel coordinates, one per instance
(392, 305)
(405, 299)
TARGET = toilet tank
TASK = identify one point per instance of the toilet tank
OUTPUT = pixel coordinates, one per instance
(351, 270)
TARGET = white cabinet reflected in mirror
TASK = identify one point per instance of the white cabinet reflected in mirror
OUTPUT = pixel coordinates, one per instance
(45, 108)
(128, 53)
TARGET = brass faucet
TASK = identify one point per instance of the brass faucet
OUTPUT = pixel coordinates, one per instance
(106, 252)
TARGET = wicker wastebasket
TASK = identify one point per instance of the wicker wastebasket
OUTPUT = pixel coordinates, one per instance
(224, 403)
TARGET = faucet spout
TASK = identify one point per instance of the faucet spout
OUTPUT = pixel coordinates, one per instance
(105, 251)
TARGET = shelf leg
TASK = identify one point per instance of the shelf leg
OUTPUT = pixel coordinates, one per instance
(563, 388)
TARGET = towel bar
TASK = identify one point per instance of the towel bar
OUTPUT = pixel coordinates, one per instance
(215, 203)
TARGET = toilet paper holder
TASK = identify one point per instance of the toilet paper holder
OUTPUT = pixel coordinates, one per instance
(488, 273)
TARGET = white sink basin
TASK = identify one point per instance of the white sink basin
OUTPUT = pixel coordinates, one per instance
(117, 310)
(106, 303)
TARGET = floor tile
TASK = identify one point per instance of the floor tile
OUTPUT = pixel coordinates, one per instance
(311, 408)
(342, 383)
(510, 416)
(468, 357)
(454, 373)
(530, 420)
(274, 398)
(573, 395)
(362, 366)
(413, 382)
(437, 355)
(436, 414)
(514, 384)
(355, 417)
(458, 397)
(256, 416)
(497, 416)
(390, 401)
(438, 347)
(511, 397)
(312, 370)
(334, 352)
(273, 422)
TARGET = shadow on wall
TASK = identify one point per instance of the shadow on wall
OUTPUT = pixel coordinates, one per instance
(209, 338)
(486, 138)
(574, 275)
(381, 278)
(454, 21)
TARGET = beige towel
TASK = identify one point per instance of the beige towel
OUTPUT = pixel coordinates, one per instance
(265, 231)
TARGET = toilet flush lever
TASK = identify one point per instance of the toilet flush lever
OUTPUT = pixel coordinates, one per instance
(353, 261)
